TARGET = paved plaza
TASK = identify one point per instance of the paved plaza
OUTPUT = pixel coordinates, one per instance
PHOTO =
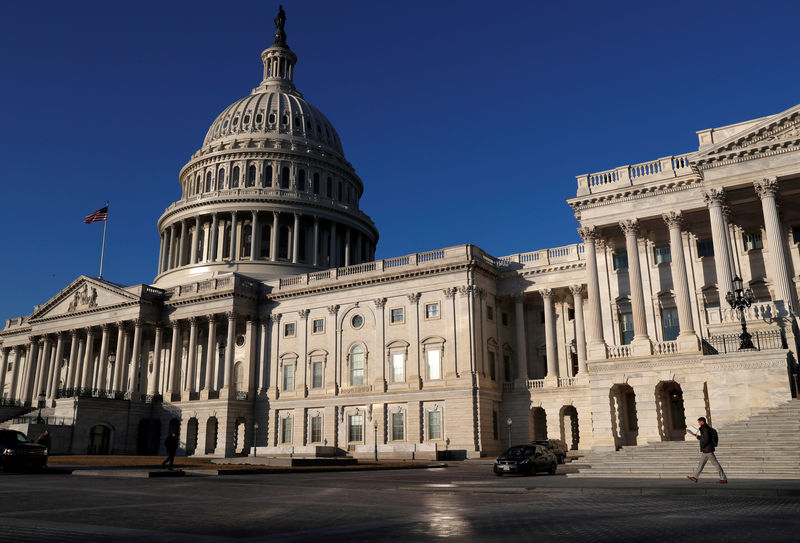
(462, 502)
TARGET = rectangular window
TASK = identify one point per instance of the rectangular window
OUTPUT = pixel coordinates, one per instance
(355, 428)
(507, 367)
(288, 377)
(620, 261)
(318, 326)
(662, 255)
(316, 429)
(432, 311)
(316, 374)
(669, 323)
(288, 329)
(286, 430)
(571, 313)
(796, 234)
(434, 364)
(752, 241)
(434, 425)
(397, 315)
(398, 366)
(357, 369)
(626, 323)
(398, 427)
(492, 364)
(705, 247)
(490, 312)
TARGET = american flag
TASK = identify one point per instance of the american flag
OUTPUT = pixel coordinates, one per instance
(98, 216)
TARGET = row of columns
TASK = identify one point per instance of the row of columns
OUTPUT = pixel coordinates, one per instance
(179, 239)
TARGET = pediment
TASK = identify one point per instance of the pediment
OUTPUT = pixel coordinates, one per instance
(778, 133)
(84, 294)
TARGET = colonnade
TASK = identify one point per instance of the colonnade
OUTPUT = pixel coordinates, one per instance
(269, 236)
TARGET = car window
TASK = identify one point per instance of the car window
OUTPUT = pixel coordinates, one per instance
(22, 438)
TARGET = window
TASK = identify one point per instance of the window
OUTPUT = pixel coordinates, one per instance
(669, 323)
(705, 247)
(398, 427)
(490, 312)
(235, 177)
(267, 182)
(208, 182)
(329, 188)
(357, 366)
(504, 318)
(620, 261)
(357, 321)
(316, 374)
(662, 255)
(571, 313)
(355, 428)
(251, 176)
(288, 329)
(288, 377)
(318, 326)
(301, 180)
(752, 241)
(339, 192)
(573, 357)
(507, 366)
(315, 184)
(492, 366)
(246, 119)
(285, 178)
(286, 430)
(396, 315)
(398, 367)
(247, 234)
(626, 323)
(271, 118)
(221, 179)
(434, 425)
(432, 311)
(285, 119)
(259, 118)
(434, 362)
(316, 429)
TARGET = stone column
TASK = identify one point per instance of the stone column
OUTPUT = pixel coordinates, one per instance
(273, 245)
(380, 340)
(263, 354)
(3, 368)
(767, 190)
(687, 339)
(580, 337)
(41, 367)
(597, 344)
(347, 250)
(522, 348)
(273, 385)
(192, 361)
(254, 235)
(174, 361)
(88, 360)
(171, 254)
(103, 362)
(302, 371)
(214, 237)
(73, 359)
(195, 240)
(641, 341)
(550, 335)
(15, 373)
(315, 258)
(229, 347)
(152, 380)
(233, 246)
(31, 354)
(118, 361)
(211, 355)
(296, 238)
(182, 245)
(714, 198)
(135, 363)
(334, 253)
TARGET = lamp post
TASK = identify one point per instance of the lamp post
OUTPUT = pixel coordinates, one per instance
(41, 399)
(375, 437)
(508, 426)
(255, 439)
(740, 299)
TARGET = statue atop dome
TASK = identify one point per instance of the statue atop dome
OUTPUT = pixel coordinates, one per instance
(280, 35)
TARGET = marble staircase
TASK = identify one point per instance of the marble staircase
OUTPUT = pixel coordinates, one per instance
(764, 446)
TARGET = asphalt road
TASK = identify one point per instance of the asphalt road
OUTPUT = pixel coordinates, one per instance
(463, 503)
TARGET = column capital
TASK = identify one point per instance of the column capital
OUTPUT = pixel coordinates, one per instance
(380, 303)
(303, 313)
(767, 187)
(333, 309)
(73, 333)
(231, 315)
(673, 219)
(576, 290)
(104, 327)
(275, 317)
(629, 227)
(414, 297)
(138, 323)
(546, 293)
(714, 197)
(449, 293)
(588, 233)
(176, 324)
(212, 318)
(466, 291)
(193, 321)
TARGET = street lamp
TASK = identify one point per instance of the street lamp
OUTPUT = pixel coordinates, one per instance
(740, 299)
(508, 425)
(42, 399)
(375, 437)
(255, 439)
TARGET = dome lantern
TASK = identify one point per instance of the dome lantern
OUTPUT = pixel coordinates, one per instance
(278, 59)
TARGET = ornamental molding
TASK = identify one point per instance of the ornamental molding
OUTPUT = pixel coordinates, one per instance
(673, 219)
(629, 227)
(588, 233)
(450, 293)
(766, 188)
(714, 197)
(602, 367)
(727, 365)
(631, 193)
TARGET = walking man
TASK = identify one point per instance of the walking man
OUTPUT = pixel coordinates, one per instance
(708, 442)
(171, 444)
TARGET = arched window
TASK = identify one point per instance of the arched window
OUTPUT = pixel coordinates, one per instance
(266, 181)
(315, 184)
(251, 176)
(301, 180)
(201, 235)
(285, 178)
(283, 242)
(329, 188)
(235, 177)
(247, 236)
(221, 179)
(357, 366)
(339, 192)
(208, 181)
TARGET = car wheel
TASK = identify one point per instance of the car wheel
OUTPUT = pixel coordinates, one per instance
(552, 470)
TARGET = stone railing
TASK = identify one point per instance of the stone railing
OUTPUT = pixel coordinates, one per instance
(556, 255)
(619, 351)
(211, 285)
(759, 311)
(567, 381)
(535, 383)
(645, 172)
(665, 347)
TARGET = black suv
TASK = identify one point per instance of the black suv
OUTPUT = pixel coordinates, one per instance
(525, 459)
(17, 451)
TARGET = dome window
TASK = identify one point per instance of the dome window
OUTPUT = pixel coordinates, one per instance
(315, 184)
(329, 188)
(221, 178)
(225, 124)
(208, 182)
(259, 118)
(285, 178)
(301, 180)
(271, 118)
(285, 119)
(235, 178)
(251, 176)
(308, 124)
(235, 121)
(267, 180)
(246, 119)
(297, 121)
(319, 129)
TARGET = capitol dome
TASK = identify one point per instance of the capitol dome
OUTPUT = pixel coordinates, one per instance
(269, 193)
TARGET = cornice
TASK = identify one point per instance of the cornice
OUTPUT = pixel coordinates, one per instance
(632, 192)
(552, 268)
(747, 155)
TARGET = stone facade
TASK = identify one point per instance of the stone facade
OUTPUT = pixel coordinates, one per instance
(271, 329)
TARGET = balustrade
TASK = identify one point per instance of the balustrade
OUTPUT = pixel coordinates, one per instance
(665, 347)
(662, 168)
(619, 351)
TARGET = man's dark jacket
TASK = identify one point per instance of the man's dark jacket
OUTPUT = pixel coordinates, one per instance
(706, 439)
(171, 443)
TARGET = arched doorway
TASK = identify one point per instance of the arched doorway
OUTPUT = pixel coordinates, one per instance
(191, 436)
(99, 439)
(624, 423)
(538, 423)
(211, 435)
(671, 414)
(569, 427)
(154, 439)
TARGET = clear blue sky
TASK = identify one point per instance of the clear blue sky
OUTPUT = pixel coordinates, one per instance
(467, 121)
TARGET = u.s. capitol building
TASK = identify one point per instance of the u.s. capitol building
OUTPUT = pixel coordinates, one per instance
(270, 323)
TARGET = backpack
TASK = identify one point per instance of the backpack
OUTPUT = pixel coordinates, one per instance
(714, 437)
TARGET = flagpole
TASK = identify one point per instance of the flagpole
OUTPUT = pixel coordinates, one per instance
(103, 247)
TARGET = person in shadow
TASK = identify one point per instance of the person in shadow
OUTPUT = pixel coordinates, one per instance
(171, 444)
